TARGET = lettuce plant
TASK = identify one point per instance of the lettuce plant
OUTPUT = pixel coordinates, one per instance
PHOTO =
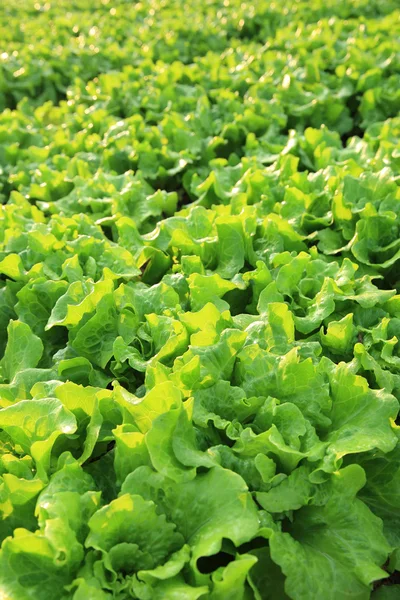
(199, 300)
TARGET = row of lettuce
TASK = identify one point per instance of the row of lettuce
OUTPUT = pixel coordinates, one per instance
(47, 46)
(199, 301)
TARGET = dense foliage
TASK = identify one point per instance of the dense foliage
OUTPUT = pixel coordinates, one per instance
(200, 300)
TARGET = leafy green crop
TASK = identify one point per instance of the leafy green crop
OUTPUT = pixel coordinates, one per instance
(200, 300)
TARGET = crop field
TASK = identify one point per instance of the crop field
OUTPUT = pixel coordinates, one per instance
(199, 300)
